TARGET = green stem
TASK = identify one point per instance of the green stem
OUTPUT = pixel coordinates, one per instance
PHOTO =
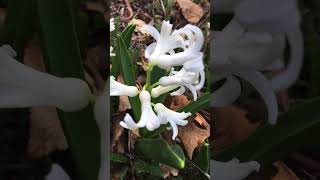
(154, 85)
(149, 77)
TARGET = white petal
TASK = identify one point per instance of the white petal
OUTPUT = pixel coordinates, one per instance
(57, 172)
(227, 94)
(232, 170)
(198, 37)
(202, 81)
(275, 65)
(159, 90)
(102, 112)
(290, 75)
(128, 123)
(149, 50)
(265, 90)
(118, 89)
(152, 31)
(174, 128)
(21, 86)
(193, 91)
(178, 92)
(148, 117)
(257, 16)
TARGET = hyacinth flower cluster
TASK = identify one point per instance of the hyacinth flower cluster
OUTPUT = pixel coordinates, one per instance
(253, 43)
(186, 72)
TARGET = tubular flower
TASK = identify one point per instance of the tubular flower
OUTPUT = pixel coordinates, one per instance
(179, 79)
(112, 25)
(118, 89)
(162, 53)
(232, 170)
(148, 118)
(128, 123)
(174, 118)
(21, 86)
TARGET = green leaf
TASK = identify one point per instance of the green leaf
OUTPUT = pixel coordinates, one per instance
(161, 151)
(126, 36)
(119, 158)
(295, 129)
(63, 58)
(195, 106)
(19, 24)
(202, 157)
(128, 75)
(147, 168)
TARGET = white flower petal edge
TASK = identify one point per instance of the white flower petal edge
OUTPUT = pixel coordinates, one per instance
(227, 93)
(128, 123)
(112, 25)
(148, 118)
(162, 52)
(101, 112)
(232, 170)
(174, 118)
(57, 172)
(159, 90)
(118, 89)
(21, 86)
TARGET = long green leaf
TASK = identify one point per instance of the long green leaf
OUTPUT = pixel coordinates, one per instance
(128, 74)
(161, 151)
(61, 47)
(296, 129)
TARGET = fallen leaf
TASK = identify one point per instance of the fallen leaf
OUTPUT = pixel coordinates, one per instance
(231, 126)
(284, 172)
(192, 136)
(139, 24)
(46, 134)
(178, 102)
(124, 103)
(168, 170)
(191, 11)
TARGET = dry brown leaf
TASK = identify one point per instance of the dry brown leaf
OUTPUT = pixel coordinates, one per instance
(168, 170)
(191, 11)
(231, 126)
(179, 102)
(284, 172)
(124, 103)
(193, 136)
(46, 134)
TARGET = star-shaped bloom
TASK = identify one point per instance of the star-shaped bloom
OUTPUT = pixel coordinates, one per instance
(174, 118)
(232, 170)
(118, 89)
(21, 86)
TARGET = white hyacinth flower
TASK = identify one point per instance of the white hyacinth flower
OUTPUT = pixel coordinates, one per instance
(179, 79)
(232, 170)
(101, 112)
(21, 86)
(128, 123)
(112, 25)
(174, 118)
(162, 53)
(148, 118)
(118, 89)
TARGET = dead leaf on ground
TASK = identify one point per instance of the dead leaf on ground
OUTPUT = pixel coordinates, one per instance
(178, 102)
(46, 134)
(168, 170)
(284, 172)
(139, 23)
(191, 11)
(118, 143)
(192, 136)
(124, 103)
(231, 126)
